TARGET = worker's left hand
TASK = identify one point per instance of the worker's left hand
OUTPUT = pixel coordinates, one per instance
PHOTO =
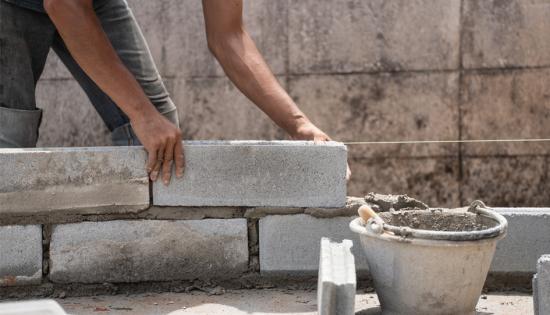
(308, 131)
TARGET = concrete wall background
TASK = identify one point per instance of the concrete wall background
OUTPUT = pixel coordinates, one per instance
(364, 70)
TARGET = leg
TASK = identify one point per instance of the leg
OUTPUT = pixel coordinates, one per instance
(119, 24)
(25, 39)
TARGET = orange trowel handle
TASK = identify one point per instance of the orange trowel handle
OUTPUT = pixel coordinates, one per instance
(365, 212)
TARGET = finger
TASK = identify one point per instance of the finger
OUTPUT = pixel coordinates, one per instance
(348, 173)
(179, 158)
(151, 161)
(158, 164)
(167, 163)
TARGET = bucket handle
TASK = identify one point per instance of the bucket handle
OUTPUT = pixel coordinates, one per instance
(477, 207)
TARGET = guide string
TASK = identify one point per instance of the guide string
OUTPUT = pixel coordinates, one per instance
(444, 141)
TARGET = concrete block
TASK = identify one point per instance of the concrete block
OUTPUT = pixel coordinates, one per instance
(506, 105)
(69, 119)
(527, 240)
(73, 180)
(383, 107)
(185, 47)
(42, 307)
(328, 36)
(290, 244)
(516, 181)
(214, 109)
(505, 33)
(541, 286)
(435, 181)
(134, 251)
(337, 280)
(21, 259)
(258, 173)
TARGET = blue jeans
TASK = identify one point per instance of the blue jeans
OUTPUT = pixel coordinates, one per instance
(26, 37)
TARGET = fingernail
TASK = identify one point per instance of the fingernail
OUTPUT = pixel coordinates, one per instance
(166, 182)
(154, 176)
(179, 174)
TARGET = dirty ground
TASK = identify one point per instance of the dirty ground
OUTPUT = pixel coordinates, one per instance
(272, 301)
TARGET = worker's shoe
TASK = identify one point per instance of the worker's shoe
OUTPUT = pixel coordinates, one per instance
(19, 128)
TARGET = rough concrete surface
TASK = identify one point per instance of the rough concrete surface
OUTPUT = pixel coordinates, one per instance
(290, 244)
(257, 173)
(541, 286)
(21, 258)
(432, 180)
(133, 251)
(505, 33)
(527, 239)
(258, 302)
(73, 180)
(506, 105)
(337, 279)
(351, 35)
(513, 181)
(383, 107)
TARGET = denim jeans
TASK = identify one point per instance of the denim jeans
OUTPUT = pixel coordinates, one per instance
(26, 37)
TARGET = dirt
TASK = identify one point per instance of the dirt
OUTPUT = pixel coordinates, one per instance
(385, 203)
(439, 220)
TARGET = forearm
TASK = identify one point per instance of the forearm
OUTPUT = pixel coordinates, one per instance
(244, 65)
(85, 39)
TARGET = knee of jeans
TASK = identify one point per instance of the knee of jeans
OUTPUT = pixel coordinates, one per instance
(124, 136)
(19, 128)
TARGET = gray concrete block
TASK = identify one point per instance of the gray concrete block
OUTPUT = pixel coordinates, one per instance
(490, 113)
(383, 107)
(526, 241)
(258, 173)
(21, 259)
(73, 180)
(290, 244)
(504, 34)
(329, 36)
(69, 119)
(41, 307)
(541, 286)
(337, 280)
(134, 251)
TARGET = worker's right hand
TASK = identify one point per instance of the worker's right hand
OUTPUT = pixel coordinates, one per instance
(163, 142)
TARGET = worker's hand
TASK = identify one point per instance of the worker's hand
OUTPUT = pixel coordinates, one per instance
(308, 131)
(162, 141)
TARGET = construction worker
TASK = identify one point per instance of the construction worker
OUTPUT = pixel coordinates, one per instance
(101, 44)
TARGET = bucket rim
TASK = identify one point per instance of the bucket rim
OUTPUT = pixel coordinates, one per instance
(373, 228)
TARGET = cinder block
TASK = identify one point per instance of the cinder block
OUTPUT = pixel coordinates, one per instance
(329, 36)
(383, 107)
(73, 180)
(527, 240)
(541, 286)
(259, 173)
(21, 259)
(134, 251)
(337, 280)
(435, 181)
(515, 181)
(506, 105)
(42, 307)
(504, 34)
(289, 244)
(69, 119)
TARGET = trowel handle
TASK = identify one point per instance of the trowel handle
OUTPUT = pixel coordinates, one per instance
(366, 212)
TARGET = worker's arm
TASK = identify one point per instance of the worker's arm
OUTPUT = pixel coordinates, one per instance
(244, 65)
(81, 31)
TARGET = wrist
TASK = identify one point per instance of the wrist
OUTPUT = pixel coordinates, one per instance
(142, 112)
(298, 123)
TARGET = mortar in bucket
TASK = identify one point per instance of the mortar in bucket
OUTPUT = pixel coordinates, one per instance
(430, 261)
